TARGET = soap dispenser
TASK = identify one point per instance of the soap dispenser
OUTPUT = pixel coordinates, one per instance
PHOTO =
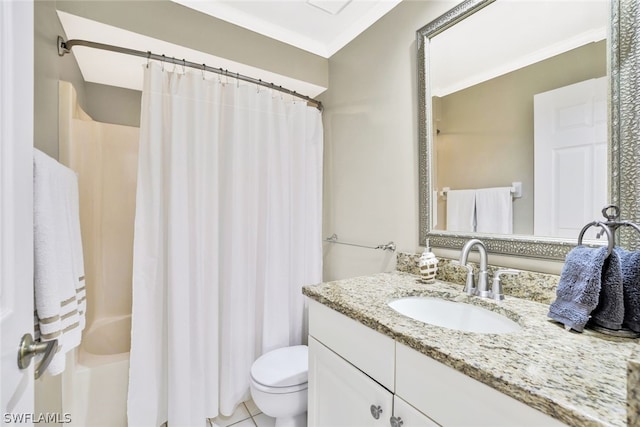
(428, 264)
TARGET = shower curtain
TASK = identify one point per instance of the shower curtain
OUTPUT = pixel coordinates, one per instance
(227, 231)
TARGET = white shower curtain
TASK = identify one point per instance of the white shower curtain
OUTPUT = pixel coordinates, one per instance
(227, 231)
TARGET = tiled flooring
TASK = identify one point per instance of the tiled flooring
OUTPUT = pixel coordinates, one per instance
(247, 415)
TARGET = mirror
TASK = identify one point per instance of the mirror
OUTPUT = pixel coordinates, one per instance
(474, 136)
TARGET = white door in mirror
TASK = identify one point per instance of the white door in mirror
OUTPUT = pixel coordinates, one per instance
(570, 158)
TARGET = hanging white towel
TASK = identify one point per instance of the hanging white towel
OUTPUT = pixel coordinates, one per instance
(461, 205)
(58, 262)
(494, 210)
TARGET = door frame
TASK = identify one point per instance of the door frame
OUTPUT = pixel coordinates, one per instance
(16, 203)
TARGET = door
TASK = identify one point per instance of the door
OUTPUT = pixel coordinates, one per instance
(340, 395)
(16, 199)
(570, 155)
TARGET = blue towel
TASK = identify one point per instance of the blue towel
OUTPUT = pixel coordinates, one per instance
(631, 288)
(578, 291)
(610, 310)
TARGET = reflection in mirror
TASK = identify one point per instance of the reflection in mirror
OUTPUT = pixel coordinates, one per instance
(516, 93)
(522, 100)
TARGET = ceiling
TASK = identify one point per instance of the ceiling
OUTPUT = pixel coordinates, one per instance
(321, 27)
(324, 26)
(318, 26)
(126, 71)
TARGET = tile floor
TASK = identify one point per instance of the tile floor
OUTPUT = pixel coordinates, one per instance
(247, 415)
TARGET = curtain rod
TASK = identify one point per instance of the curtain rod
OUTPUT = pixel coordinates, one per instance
(64, 47)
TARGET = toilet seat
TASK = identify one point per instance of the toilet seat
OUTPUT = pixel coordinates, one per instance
(284, 370)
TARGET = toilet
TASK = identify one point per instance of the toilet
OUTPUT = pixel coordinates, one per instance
(279, 385)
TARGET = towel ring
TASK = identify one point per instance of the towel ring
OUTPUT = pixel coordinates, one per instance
(605, 228)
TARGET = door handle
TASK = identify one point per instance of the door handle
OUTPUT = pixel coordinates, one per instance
(29, 348)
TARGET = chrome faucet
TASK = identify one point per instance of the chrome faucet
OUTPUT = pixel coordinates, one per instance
(496, 287)
(482, 289)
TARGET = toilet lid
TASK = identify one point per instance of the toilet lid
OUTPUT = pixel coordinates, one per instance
(284, 367)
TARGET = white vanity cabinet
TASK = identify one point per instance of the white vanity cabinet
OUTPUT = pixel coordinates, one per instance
(354, 372)
(352, 375)
(342, 395)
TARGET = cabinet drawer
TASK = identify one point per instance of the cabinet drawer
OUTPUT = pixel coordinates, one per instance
(453, 399)
(372, 352)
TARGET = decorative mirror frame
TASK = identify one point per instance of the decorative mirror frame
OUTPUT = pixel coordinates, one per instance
(624, 136)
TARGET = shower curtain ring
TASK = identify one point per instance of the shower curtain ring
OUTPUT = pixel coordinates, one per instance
(184, 67)
(148, 58)
(163, 59)
(203, 69)
(237, 80)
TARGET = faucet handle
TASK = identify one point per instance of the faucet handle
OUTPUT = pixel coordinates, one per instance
(496, 288)
(470, 286)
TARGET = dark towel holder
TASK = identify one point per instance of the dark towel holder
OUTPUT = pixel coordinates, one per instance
(610, 226)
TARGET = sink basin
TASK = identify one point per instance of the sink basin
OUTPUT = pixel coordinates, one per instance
(454, 315)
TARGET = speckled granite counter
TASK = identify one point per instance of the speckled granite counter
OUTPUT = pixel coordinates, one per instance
(580, 379)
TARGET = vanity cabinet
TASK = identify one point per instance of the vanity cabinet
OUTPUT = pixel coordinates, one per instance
(354, 372)
(352, 375)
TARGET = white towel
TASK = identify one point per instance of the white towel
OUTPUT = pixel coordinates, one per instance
(461, 205)
(494, 210)
(60, 299)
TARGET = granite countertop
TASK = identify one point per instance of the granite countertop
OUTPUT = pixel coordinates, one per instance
(579, 379)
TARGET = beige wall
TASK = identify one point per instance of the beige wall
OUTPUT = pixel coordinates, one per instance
(371, 148)
(486, 131)
(49, 68)
(115, 105)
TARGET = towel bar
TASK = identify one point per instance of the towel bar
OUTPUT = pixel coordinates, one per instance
(516, 190)
(385, 247)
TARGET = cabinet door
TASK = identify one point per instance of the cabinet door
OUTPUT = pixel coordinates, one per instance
(373, 353)
(408, 416)
(340, 395)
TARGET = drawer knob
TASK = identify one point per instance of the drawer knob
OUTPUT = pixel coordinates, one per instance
(396, 421)
(376, 411)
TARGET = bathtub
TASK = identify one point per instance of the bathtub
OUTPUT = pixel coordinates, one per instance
(95, 387)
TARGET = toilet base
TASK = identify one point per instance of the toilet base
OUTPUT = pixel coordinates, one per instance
(299, 420)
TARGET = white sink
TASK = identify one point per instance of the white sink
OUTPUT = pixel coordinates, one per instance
(454, 315)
